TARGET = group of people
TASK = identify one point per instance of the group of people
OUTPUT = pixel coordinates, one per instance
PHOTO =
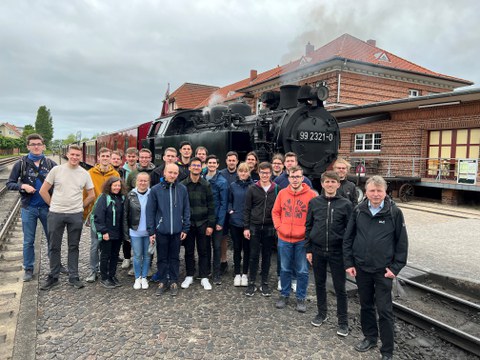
(188, 201)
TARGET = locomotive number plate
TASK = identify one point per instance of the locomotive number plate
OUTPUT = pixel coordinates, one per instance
(317, 136)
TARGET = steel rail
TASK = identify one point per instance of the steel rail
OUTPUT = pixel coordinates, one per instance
(13, 215)
(455, 336)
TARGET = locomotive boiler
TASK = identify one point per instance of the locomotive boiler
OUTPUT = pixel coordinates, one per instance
(296, 120)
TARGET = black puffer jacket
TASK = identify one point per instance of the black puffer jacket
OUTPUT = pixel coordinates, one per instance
(374, 243)
(259, 205)
(347, 190)
(327, 219)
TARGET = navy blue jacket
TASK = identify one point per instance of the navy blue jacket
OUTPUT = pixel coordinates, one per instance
(219, 187)
(236, 201)
(231, 177)
(168, 209)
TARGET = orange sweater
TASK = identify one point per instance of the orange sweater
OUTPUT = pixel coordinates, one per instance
(289, 213)
(98, 178)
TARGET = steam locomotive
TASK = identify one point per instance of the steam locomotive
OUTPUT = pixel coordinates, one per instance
(296, 120)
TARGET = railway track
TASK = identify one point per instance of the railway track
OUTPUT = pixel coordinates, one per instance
(11, 271)
(5, 162)
(449, 316)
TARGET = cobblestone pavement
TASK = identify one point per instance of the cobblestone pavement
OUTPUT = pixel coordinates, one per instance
(96, 323)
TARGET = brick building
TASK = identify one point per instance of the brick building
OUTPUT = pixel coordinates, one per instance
(420, 139)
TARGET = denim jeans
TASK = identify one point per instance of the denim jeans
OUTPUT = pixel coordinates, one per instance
(141, 257)
(335, 261)
(56, 227)
(30, 217)
(94, 252)
(294, 261)
(168, 257)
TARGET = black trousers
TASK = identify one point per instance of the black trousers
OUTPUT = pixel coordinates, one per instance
(197, 236)
(262, 239)
(127, 249)
(240, 244)
(109, 251)
(375, 290)
(335, 262)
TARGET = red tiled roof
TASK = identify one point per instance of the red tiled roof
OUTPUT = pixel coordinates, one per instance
(189, 95)
(12, 127)
(344, 47)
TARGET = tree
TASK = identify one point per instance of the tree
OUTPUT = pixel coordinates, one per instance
(71, 138)
(44, 124)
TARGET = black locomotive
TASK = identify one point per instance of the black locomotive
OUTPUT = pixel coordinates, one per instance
(295, 121)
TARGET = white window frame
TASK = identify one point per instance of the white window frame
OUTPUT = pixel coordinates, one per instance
(372, 145)
(413, 93)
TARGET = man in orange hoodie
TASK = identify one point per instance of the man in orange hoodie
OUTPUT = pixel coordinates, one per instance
(289, 215)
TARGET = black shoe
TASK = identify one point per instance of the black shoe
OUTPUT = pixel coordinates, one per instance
(265, 289)
(173, 289)
(107, 284)
(281, 302)
(223, 267)
(160, 289)
(342, 330)
(365, 345)
(63, 270)
(387, 357)
(76, 283)
(217, 280)
(28, 275)
(115, 281)
(49, 283)
(301, 305)
(250, 290)
(319, 320)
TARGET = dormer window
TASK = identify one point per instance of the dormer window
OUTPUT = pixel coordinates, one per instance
(413, 93)
(381, 56)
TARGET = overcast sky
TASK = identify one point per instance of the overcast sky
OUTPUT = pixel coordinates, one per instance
(105, 65)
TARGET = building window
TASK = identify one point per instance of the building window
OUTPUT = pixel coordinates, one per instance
(368, 142)
(413, 93)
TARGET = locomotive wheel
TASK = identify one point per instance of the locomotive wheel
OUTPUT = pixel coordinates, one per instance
(405, 193)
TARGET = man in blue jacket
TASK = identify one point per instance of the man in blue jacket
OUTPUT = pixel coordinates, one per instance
(375, 249)
(168, 222)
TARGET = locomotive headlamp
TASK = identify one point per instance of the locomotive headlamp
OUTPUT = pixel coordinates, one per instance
(307, 93)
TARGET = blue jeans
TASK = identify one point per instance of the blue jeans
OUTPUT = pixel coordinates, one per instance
(141, 257)
(94, 252)
(30, 217)
(294, 261)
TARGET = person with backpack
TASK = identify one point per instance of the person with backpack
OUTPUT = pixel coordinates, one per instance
(27, 177)
(375, 248)
(135, 229)
(108, 226)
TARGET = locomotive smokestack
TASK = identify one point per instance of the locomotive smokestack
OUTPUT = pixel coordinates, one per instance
(309, 49)
(372, 42)
(253, 74)
(288, 96)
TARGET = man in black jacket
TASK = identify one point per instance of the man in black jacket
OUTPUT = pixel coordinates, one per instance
(327, 219)
(347, 188)
(258, 225)
(375, 249)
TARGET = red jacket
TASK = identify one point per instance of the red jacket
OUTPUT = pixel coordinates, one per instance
(289, 213)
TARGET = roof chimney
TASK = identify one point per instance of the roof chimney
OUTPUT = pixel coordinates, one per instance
(372, 42)
(309, 49)
(253, 74)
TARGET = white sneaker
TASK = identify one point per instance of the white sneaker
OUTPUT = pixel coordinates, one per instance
(238, 280)
(206, 284)
(138, 284)
(144, 283)
(126, 263)
(294, 286)
(244, 281)
(279, 286)
(187, 282)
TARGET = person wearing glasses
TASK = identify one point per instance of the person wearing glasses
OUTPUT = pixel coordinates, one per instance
(277, 165)
(289, 216)
(27, 177)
